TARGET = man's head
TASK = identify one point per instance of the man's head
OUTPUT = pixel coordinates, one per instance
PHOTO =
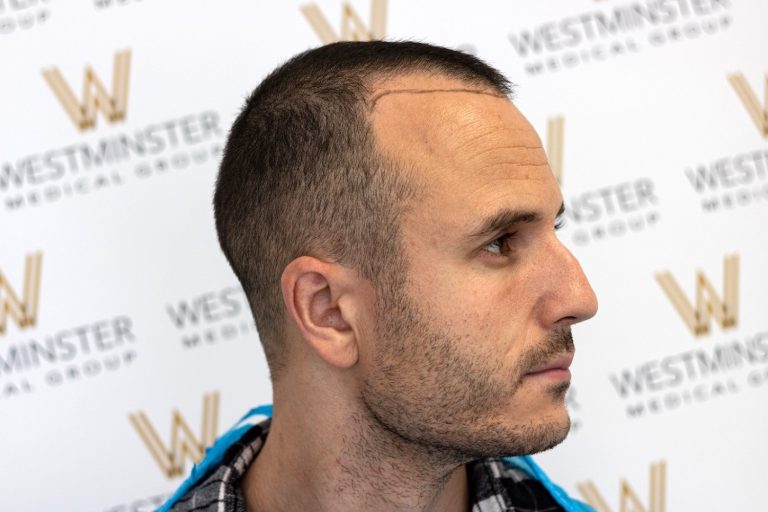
(390, 215)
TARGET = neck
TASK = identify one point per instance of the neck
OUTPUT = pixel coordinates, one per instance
(344, 460)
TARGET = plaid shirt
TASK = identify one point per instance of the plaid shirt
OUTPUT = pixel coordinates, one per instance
(494, 485)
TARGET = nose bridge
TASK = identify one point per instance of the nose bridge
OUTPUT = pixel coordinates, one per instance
(570, 296)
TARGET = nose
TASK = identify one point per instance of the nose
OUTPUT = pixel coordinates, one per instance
(570, 298)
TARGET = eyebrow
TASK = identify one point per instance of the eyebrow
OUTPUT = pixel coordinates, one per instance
(508, 217)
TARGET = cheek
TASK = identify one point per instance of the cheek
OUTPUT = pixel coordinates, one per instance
(477, 304)
(366, 329)
(493, 307)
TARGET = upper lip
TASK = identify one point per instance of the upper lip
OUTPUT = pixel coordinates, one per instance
(561, 362)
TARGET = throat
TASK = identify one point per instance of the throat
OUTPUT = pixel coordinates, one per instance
(362, 469)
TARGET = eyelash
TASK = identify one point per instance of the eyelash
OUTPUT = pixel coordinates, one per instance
(506, 237)
(504, 249)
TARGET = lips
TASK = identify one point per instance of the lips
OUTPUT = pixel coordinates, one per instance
(562, 362)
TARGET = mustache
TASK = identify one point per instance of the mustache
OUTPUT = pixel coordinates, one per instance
(557, 343)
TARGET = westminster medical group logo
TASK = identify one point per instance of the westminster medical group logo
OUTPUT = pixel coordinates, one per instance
(555, 145)
(757, 111)
(616, 29)
(352, 26)
(709, 305)
(212, 318)
(108, 152)
(629, 500)
(720, 361)
(608, 213)
(185, 444)
(172, 445)
(21, 309)
(95, 95)
(612, 212)
(32, 359)
(737, 180)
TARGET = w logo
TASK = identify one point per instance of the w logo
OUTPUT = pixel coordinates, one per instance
(708, 303)
(184, 444)
(555, 130)
(95, 95)
(352, 26)
(757, 111)
(628, 498)
(23, 311)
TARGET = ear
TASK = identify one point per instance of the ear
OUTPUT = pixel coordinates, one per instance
(315, 293)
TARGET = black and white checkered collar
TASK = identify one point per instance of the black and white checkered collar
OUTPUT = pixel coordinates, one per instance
(495, 485)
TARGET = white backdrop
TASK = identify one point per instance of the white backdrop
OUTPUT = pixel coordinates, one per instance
(120, 314)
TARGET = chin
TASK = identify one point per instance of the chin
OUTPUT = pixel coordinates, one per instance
(544, 437)
(559, 433)
(514, 436)
(547, 432)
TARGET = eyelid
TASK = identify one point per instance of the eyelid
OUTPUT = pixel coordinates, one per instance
(502, 239)
(505, 235)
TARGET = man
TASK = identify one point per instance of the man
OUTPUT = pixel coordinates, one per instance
(391, 216)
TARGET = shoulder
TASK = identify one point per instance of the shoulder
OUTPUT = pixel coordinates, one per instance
(215, 483)
(215, 493)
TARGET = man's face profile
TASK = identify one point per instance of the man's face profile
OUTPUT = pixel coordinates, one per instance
(472, 346)
(391, 216)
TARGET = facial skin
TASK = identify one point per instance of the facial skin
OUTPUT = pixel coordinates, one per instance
(479, 309)
(392, 387)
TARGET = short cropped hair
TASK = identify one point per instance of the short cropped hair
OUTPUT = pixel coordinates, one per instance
(301, 174)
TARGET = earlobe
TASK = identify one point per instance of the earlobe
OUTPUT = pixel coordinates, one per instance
(311, 291)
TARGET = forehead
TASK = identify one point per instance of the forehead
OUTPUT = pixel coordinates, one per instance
(469, 149)
(429, 111)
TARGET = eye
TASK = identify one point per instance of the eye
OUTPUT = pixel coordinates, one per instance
(559, 223)
(500, 246)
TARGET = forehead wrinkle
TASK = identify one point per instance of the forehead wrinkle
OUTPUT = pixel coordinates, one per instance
(496, 146)
(474, 129)
(523, 148)
(374, 100)
(510, 156)
(472, 133)
(511, 146)
(514, 163)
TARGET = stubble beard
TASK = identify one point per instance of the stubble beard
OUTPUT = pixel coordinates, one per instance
(428, 395)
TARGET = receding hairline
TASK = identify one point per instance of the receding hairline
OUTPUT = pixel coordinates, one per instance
(388, 92)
